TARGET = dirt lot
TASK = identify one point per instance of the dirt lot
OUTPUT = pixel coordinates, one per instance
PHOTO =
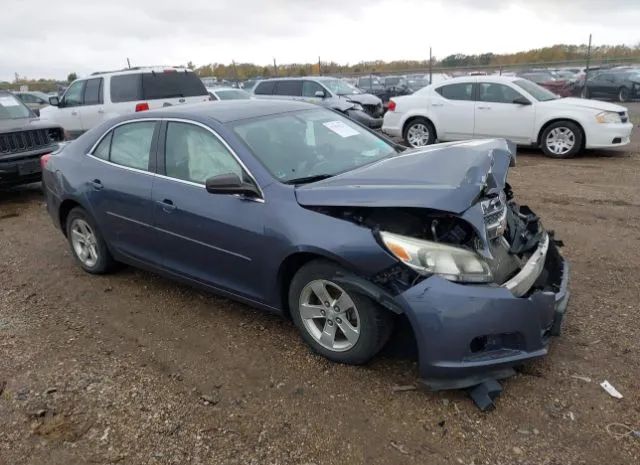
(135, 369)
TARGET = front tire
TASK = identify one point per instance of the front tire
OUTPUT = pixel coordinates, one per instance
(562, 139)
(623, 95)
(333, 318)
(419, 132)
(87, 245)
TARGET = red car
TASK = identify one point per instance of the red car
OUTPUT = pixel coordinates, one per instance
(561, 87)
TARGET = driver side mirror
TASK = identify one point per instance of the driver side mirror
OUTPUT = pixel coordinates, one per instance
(521, 101)
(230, 183)
(320, 94)
(54, 101)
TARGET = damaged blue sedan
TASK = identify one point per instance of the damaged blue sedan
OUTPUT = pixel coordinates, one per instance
(296, 209)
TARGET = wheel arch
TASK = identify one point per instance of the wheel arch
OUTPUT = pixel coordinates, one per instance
(561, 119)
(63, 212)
(419, 116)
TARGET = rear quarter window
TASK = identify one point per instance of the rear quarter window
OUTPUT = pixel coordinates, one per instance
(174, 84)
(265, 88)
(126, 88)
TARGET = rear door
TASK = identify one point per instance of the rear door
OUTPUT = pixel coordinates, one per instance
(452, 107)
(119, 177)
(603, 85)
(290, 89)
(92, 109)
(172, 87)
(497, 116)
(214, 239)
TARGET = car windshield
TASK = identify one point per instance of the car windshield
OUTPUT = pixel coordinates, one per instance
(539, 93)
(12, 108)
(365, 83)
(309, 145)
(340, 87)
(232, 94)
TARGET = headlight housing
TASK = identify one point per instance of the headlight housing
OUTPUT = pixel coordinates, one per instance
(608, 117)
(426, 257)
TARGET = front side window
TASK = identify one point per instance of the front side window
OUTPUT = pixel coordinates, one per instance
(460, 91)
(131, 144)
(309, 88)
(498, 93)
(194, 154)
(310, 144)
(93, 92)
(73, 95)
(291, 88)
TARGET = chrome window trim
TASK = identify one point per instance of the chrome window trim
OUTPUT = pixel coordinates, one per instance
(261, 199)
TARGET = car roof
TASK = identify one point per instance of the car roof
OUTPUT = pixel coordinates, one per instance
(139, 70)
(301, 78)
(225, 111)
(480, 79)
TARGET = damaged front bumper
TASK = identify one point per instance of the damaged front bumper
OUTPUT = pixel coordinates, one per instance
(468, 334)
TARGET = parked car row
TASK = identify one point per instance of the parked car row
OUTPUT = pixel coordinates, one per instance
(478, 107)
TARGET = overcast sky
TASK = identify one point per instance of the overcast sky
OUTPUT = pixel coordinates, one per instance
(40, 38)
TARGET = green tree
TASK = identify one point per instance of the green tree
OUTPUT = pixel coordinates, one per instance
(72, 77)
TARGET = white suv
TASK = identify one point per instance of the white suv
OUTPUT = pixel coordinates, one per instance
(89, 101)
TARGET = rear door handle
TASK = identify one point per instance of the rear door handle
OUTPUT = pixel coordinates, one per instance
(437, 104)
(167, 205)
(101, 110)
(74, 113)
(96, 184)
(484, 108)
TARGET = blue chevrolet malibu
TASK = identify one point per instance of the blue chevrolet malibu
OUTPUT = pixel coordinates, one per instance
(299, 210)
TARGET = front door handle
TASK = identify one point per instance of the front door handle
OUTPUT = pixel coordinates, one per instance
(484, 108)
(167, 205)
(437, 104)
(74, 113)
(96, 184)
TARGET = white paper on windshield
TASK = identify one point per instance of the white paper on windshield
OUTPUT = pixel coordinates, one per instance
(341, 129)
(8, 101)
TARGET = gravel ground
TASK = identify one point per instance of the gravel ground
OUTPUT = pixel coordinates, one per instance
(135, 369)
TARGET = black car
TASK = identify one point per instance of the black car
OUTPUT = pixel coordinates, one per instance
(623, 85)
(23, 140)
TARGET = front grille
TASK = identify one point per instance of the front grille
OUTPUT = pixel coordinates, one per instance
(623, 116)
(373, 110)
(24, 141)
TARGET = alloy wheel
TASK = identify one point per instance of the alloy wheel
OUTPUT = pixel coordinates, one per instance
(560, 140)
(418, 135)
(84, 242)
(329, 315)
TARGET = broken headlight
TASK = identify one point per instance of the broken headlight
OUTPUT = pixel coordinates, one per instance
(426, 257)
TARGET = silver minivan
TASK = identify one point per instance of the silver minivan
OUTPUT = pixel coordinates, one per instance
(328, 92)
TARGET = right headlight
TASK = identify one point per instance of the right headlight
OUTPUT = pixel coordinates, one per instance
(426, 257)
(608, 117)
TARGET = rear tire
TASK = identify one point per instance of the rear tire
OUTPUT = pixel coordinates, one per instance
(352, 334)
(585, 93)
(419, 132)
(562, 139)
(87, 245)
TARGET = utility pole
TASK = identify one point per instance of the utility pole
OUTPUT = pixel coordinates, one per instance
(430, 67)
(586, 71)
(128, 62)
(275, 68)
(319, 67)
(235, 71)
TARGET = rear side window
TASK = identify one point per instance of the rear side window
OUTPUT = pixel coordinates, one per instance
(461, 91)
(103, 148)
(131, 144)
(265, 88)
(126, 88)
(173, 84)
(93, 92)
(289, 88)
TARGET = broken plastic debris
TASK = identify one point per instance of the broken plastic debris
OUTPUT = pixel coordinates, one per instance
(613, 392)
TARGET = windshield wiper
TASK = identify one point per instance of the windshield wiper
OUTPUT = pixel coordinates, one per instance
(308, 179)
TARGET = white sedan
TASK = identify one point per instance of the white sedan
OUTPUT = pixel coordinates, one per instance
(513, 108)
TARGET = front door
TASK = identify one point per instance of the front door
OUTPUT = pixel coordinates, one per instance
(496, 114)
(212, 238)
(92, 109)
(68, 111)
(120, 183)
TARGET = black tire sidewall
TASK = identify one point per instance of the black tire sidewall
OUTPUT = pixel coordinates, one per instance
(104, 262)
(375, 322)
(562, 124)
(432, 131)
(620, 97)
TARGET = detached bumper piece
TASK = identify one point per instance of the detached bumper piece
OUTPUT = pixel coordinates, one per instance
(365, 119)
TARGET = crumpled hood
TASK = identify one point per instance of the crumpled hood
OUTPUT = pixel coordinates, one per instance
(23, 124)
(362, 99)
(583, 103)
(446, 177)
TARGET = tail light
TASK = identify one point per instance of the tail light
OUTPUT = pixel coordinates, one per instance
(392, 105)
(44, 159)
(142, 107)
